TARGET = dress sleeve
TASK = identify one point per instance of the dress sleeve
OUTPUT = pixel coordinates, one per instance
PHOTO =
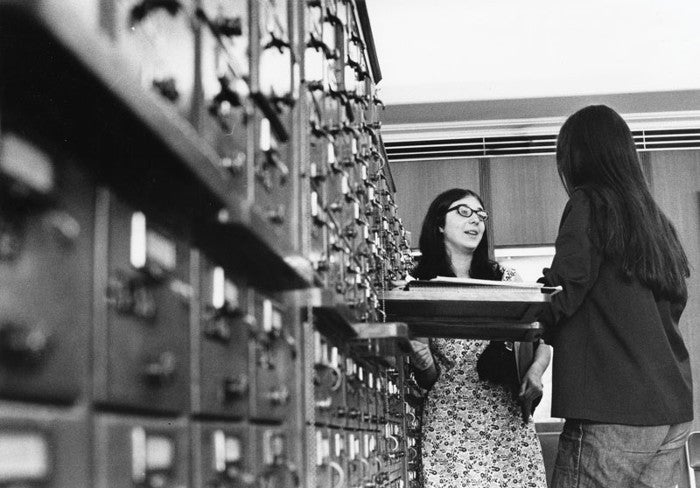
(509, 274)
(576, 261)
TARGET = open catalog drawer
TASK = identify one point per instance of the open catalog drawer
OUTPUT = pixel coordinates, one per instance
(469, 309)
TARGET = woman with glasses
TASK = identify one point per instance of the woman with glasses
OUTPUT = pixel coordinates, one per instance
(473, 430)
(621, 375)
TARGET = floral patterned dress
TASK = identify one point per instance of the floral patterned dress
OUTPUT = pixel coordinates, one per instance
(473, 432)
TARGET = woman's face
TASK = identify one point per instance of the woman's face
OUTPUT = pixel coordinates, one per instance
(463, 233)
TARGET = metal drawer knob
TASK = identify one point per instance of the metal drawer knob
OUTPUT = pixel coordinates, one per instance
(162, 370)
(22, 345)
(236, 388)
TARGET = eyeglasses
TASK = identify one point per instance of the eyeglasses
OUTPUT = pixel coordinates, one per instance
(466, 211)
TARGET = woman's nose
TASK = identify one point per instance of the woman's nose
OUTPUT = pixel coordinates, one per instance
(473, 219)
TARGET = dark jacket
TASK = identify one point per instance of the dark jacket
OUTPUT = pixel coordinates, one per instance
(618, 353)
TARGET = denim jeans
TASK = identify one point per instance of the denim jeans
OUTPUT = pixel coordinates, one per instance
(594, 455)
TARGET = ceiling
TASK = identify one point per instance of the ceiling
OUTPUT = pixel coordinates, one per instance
(469, 50)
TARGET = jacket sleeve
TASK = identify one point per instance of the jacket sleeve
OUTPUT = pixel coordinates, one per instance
(575, 265)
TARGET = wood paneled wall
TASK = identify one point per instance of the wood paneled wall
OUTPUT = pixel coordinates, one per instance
(526, 197)
(527, 200)
(418, 183)
(675, 179)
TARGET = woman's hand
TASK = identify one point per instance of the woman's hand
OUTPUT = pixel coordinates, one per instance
(530, 390)
(421, 357)
(424, 367)
(531, 387)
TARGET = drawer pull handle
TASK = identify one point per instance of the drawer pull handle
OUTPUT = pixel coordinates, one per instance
(23, 346)
(162, 370)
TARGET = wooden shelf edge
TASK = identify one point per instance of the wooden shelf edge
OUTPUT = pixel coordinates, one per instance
(479, 331)
(464, 295)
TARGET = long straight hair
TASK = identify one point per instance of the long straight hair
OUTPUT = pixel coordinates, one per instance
(434, 260)
(596, 154)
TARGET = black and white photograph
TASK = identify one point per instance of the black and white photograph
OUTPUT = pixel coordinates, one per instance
(349, 244)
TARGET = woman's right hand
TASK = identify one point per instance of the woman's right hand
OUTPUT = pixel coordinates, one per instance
(421, 356)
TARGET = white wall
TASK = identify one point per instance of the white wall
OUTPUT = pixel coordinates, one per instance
(445, 50)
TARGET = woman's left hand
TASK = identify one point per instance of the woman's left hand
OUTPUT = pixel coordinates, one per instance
(531, 388)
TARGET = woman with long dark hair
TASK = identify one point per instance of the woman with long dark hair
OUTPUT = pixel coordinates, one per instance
(621, 374)
(473, 432)
(435, 260)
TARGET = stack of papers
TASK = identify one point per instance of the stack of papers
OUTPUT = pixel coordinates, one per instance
(450, 281)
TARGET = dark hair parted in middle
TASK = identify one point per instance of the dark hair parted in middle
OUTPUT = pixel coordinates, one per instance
(596, 154)
(434, 260)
